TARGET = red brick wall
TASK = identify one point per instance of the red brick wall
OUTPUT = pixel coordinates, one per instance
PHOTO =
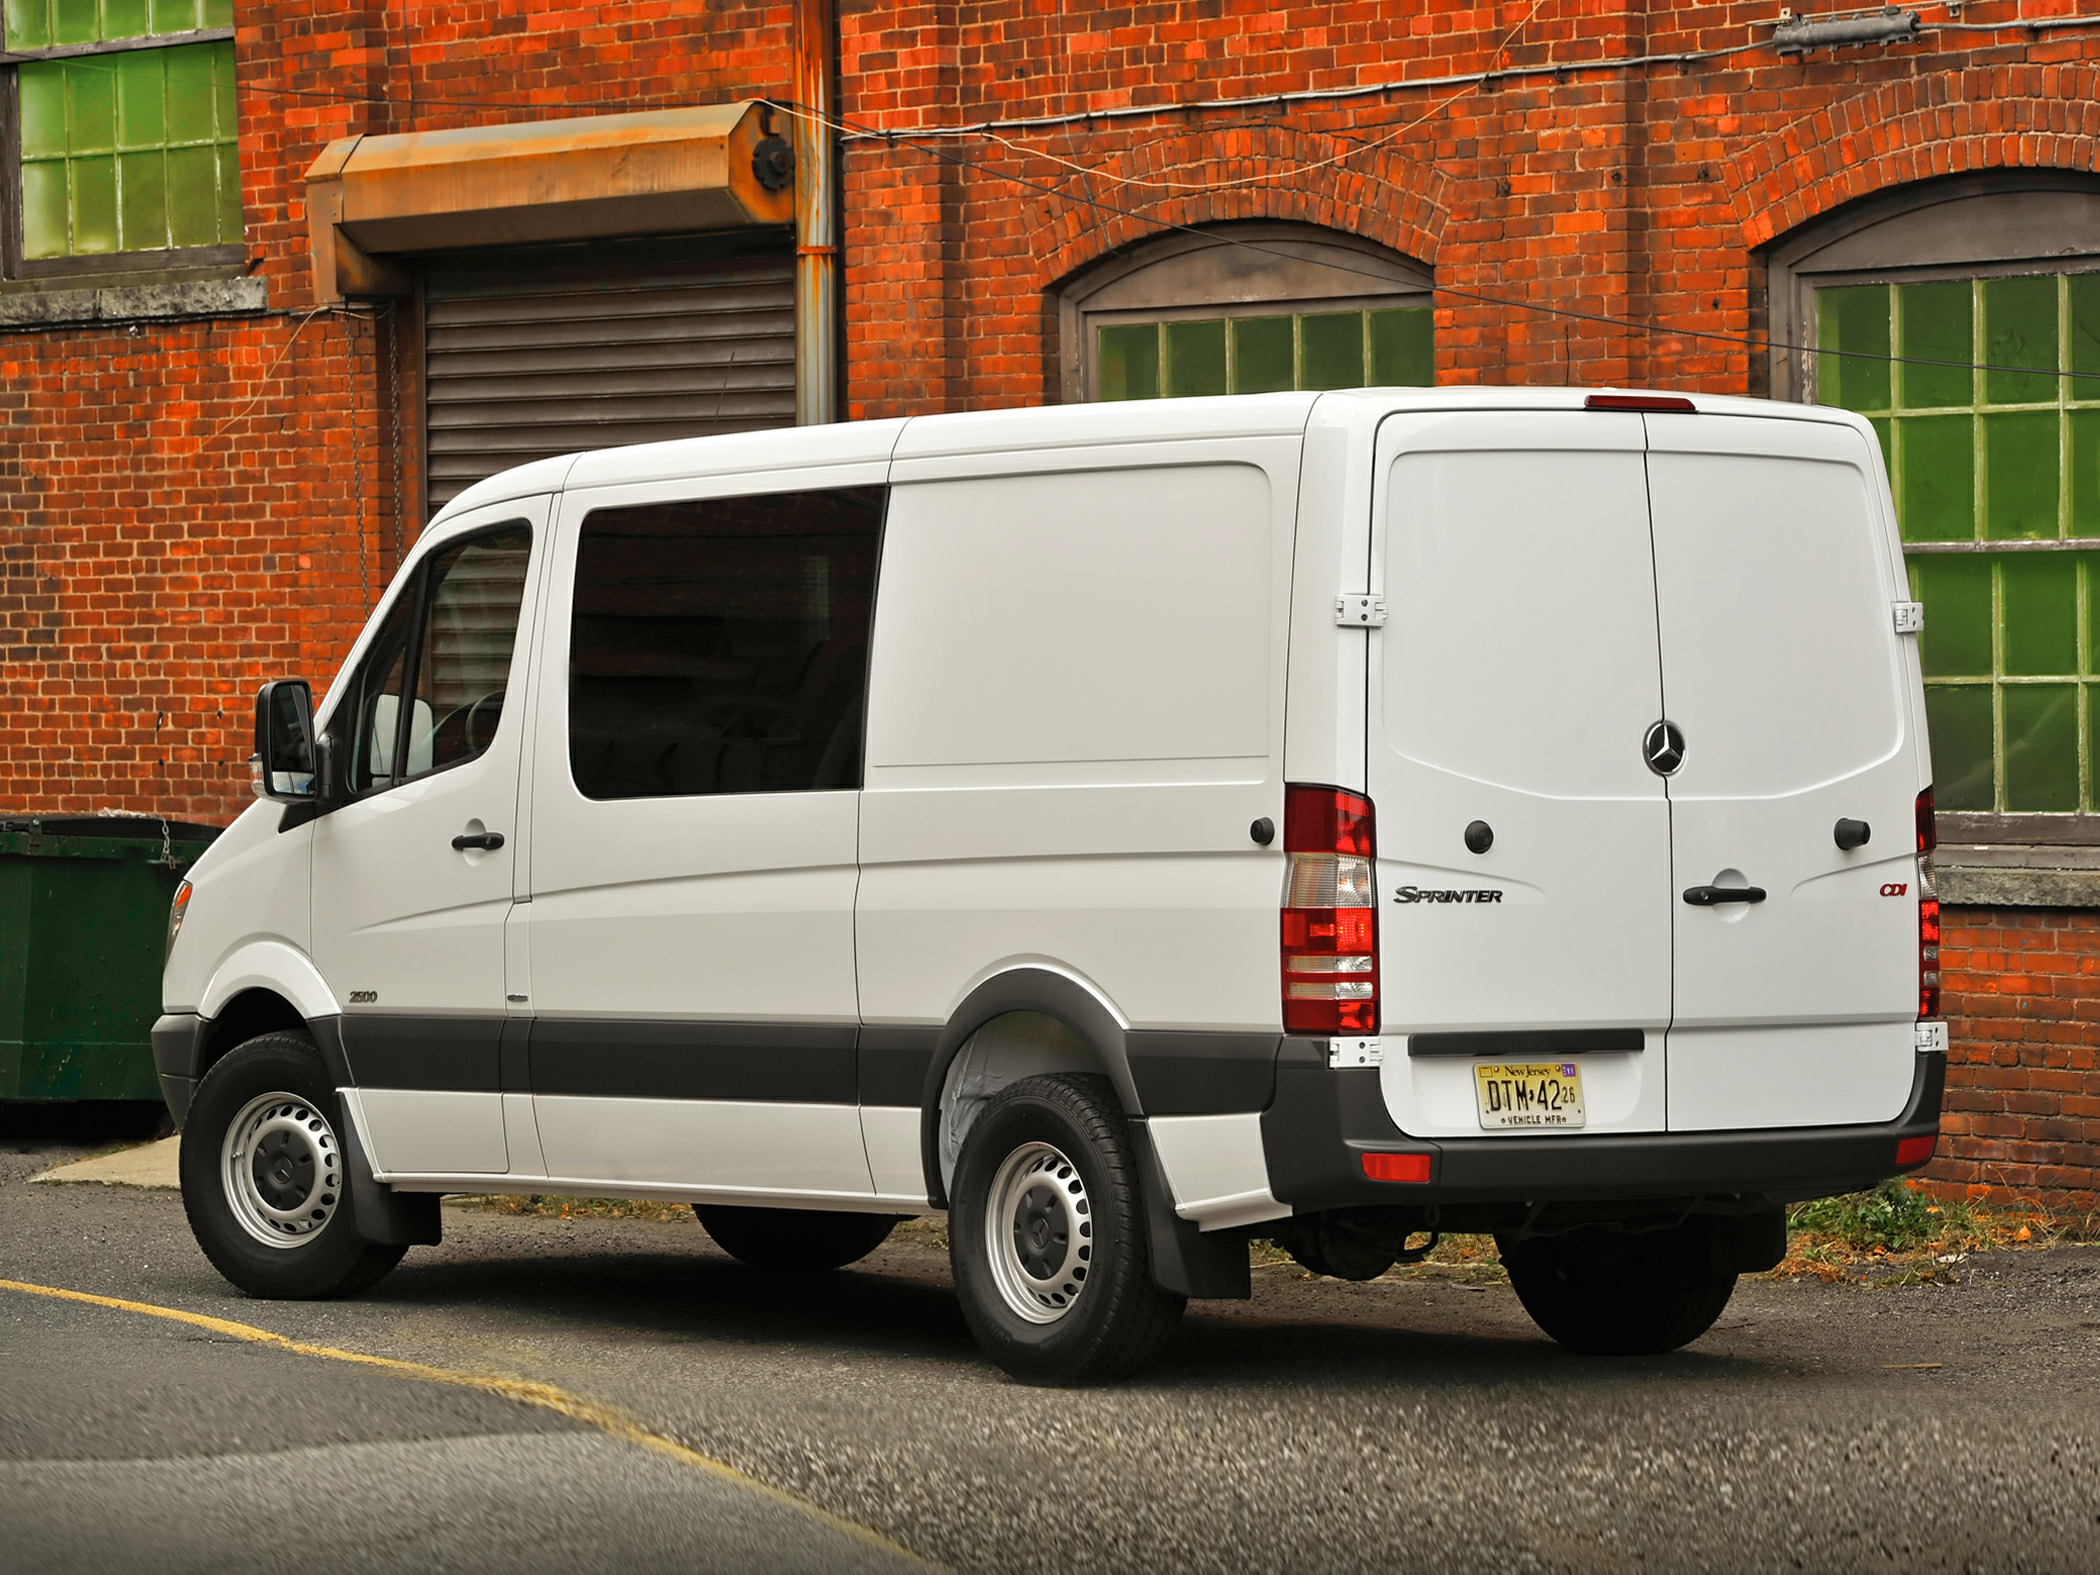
(178, 505)
(2021, 989)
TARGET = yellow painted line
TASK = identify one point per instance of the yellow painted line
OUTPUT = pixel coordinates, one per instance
(607, 1419)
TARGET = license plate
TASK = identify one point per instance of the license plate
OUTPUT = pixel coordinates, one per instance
(1540, 1094)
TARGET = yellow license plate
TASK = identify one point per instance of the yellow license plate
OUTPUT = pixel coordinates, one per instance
(1546, 1095)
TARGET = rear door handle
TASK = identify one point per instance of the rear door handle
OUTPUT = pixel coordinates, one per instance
(490, 841)
(1709, 896)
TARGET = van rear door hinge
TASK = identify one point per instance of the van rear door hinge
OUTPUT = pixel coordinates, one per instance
(1910, 617)
(1359, 611)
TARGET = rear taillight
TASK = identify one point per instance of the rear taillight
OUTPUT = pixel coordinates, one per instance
(1330, 913)
(1928, 912)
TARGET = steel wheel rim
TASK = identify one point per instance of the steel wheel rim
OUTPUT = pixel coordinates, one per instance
(281, 1170)
(1039, 1233)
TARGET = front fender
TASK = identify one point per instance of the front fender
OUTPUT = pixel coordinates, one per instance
(270, 965)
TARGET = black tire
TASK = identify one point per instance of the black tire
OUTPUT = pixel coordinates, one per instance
(281, 1076)
(794, 1241)
(1602, 1292)
(1056, 1149)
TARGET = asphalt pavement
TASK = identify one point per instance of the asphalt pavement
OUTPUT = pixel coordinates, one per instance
(837, 1424)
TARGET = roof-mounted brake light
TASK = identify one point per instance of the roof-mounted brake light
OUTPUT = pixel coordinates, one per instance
(1671, 404)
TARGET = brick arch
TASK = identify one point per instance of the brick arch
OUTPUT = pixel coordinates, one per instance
(1384, 196)
(1988, 117)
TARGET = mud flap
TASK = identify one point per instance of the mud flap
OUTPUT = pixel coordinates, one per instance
(1185, 1261)
(384, 1217)
(1747, 1243)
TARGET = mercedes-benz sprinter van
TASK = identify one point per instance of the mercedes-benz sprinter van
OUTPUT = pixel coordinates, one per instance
(1131, 828)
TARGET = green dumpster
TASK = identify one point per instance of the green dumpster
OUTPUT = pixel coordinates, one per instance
(83, 934)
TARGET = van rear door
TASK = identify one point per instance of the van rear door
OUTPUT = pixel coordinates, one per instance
(1775, 580)
(1510, 686)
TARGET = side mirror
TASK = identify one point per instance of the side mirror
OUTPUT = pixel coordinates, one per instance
(284, 763)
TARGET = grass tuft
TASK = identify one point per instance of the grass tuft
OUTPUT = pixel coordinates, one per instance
(1901, 1233)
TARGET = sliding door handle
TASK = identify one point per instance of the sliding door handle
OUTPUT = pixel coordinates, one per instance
(1712, 896)
(490, 841)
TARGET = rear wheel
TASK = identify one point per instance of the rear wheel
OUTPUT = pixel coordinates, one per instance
(794, 1241)
(265, 1181)
(1603, 1292)
(1047, 1236)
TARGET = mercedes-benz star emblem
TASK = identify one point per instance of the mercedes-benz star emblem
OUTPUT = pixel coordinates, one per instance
(1662, 746)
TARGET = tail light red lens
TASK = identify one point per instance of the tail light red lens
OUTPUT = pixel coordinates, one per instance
(1915, 1150)
(1330, 913)
(1397, 1167)
(1928, 912)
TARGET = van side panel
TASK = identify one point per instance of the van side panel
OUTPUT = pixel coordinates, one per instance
(1075, 714)
(1323, 737)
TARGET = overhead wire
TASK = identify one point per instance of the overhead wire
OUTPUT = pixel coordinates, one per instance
(1750, 342)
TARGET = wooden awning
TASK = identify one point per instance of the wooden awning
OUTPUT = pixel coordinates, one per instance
(370, 199)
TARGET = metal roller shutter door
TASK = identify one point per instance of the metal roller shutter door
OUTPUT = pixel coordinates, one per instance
(530, 354)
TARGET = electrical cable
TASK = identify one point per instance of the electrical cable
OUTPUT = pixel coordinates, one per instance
(1746, 341)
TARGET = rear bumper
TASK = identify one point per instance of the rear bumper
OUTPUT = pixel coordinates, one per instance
(1324, 1120)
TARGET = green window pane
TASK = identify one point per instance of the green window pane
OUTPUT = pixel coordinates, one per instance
(2040, 591)
(141, 120)
(1403, 348)
(1262, 359)
(1885, 431)
(93, 202)
(224, 99)
(1853, 319)
(2019, 330)
(1956, 591)
(174, 16)
(216, 13)
(2020, 474)
(1936, 478)
(1936, 327)
(91, 106)
(2041, 747)
(2084, 431)
(1128, 357)
(230, 228)
(192, 99)
(44, 210)
(193, 196)
(2085, 334)
(1195, 358)
(28, 24)
(1959, 722)
(142, 201)
(125, 18)
(1334, 350)
(42, 87)
(74, 22)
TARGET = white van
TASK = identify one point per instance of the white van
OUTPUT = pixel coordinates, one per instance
(1132, 828)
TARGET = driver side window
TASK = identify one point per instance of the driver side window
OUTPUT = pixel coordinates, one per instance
(453, 629)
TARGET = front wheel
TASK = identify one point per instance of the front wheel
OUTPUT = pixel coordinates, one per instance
(1603, 1292)
(1047, 1236)
(794, 1241)
(265, 1181)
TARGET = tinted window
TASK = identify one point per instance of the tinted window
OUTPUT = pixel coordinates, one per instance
(455, 627)
(721, 646)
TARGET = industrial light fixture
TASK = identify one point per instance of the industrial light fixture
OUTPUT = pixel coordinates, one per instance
(1797, 35)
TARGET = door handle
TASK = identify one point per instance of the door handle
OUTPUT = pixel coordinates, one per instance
(490, 841)
(1709, 896)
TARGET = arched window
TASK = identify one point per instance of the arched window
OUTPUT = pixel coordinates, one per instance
(1962, 318)
(1245, 308)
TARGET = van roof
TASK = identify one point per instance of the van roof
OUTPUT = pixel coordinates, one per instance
(1047, 426)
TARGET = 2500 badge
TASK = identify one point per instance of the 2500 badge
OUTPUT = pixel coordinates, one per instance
(1430, 894)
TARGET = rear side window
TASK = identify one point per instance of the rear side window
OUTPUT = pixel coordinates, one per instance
(721, 645)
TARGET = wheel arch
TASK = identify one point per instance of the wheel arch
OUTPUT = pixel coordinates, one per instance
(255, 1010)
(1051, 1021)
